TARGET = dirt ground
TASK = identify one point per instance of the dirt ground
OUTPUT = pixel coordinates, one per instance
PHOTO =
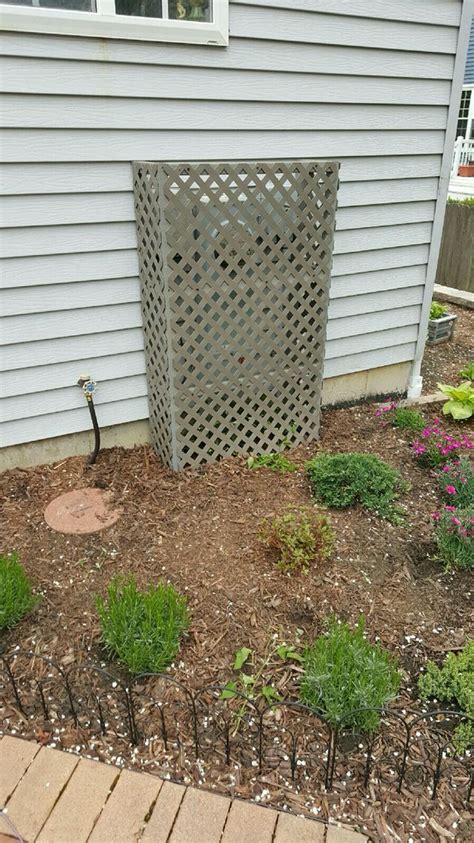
(442, 362)
(199, 530)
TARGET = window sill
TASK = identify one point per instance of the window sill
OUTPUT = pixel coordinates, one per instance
(60, 22)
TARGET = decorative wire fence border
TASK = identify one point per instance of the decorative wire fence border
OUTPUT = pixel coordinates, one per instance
(132, 700)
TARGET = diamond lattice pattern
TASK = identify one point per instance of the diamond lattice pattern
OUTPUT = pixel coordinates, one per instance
(235, 262)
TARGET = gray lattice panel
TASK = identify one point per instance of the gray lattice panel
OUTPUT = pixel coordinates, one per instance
(235, 263)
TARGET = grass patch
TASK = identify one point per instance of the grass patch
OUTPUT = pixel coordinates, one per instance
(275, 462)
(142, 628)
(344, 673)
(300, 538)
(16, 596)
(342, 480)
(407, 419)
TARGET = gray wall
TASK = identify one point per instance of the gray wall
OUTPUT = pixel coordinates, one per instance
(366, 81)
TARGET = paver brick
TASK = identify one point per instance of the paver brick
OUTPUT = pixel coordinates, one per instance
(248, 823)
(124, 813)
(161, 821)
(75, 813)
(291, 829)
(16, 756)
(201, 818)
(341, 834)
(36, 794)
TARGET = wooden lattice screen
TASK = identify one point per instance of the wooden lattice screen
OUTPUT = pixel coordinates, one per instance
(235, 262)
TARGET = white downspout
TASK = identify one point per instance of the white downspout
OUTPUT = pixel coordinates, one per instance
(415, 382)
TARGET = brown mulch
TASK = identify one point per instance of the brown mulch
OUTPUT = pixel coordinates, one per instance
(198, 529)
(442, 362)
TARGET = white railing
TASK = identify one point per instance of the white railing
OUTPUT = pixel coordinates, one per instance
(463, 154)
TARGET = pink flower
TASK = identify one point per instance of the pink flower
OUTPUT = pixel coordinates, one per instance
(450, 508)
(446, 468)
(456, 521)
(451, 490)
(435, 516)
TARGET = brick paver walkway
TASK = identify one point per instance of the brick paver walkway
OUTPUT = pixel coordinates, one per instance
(55, 797)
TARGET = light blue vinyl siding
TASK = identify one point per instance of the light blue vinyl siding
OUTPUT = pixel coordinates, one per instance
(367, 82)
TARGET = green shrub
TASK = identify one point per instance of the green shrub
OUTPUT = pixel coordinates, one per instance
(342, 480)
(454, 537)
(344, 673)
(407, 419)
(301, 538)
(453, 682)
(456, 483)
(469, 200)
(437, 310)
(273, 461)
(142, 628)
(16, 597)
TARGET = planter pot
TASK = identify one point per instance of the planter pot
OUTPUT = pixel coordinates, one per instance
(442, 329)
(466, 169)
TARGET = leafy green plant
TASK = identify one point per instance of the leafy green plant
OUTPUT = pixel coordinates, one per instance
(142, 628)
(437, 310)
(407, 419)
(300, 538)
(253, 674)
(454, 536)
(456, 483)
(342, 480)
(453, 682)
(344, 675)
(461, 400)
(275, 462)
(468, 371)
(16, 596)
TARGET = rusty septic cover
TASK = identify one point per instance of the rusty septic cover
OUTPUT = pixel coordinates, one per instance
(81, 511)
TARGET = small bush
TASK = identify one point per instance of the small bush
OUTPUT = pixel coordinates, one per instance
(454, 537)
(407, 419)
(273, 461)
(342, 480)
(142, 628)
(16, 596)
(301, 538)
(456, 483)
(344, 673)
(453, 682)
(437, 310)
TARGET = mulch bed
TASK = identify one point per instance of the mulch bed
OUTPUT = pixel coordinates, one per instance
(198, 529)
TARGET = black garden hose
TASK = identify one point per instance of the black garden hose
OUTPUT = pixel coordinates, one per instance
(95, 424)
(88, 387)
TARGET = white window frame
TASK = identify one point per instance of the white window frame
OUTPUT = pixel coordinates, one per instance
(104, 23)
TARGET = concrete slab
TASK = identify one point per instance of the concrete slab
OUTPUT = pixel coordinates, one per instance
(450, 294)
(161, 822)
(77, 809)
(201, 818)
(15, 758)
(291, 829)
(123, 817)
(37, 792)
(248, 823)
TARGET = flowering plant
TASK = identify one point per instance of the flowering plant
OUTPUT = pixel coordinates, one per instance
(436, 447)
(456, 482)
(455, 536)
